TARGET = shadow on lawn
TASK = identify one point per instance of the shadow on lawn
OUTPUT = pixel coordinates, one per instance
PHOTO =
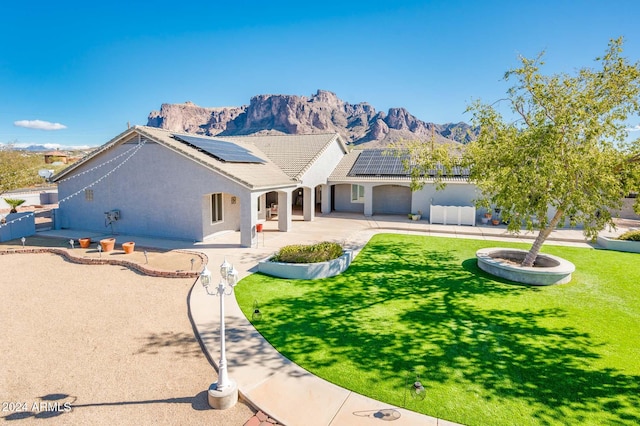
(510, 354)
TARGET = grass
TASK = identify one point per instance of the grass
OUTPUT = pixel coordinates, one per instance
(488, 352)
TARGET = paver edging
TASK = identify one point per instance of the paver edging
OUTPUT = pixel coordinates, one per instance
(103, 261)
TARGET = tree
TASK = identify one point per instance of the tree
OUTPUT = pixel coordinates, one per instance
(566, 153)
(18, 169)
(14, 203)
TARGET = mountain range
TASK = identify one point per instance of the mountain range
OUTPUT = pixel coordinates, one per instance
(323, 112)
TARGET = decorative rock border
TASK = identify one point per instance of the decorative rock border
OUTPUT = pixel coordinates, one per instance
(618, 245)
(306, 271)
(104, 261)
(550, 270)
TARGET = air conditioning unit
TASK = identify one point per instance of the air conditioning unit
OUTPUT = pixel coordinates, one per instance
(112, 215)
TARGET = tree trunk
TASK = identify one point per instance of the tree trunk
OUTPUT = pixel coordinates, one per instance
(540, 239)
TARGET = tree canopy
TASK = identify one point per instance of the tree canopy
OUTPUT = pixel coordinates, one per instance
(565, 158)
(562, 155)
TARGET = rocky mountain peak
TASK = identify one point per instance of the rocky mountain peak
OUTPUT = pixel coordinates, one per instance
(322, 112)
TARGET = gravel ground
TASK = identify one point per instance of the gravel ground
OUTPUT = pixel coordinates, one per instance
(114, 346)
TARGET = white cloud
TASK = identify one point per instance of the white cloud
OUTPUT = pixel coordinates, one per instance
(39, 124)
(635, 128)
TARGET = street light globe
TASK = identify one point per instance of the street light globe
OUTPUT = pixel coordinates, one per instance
(205, 277)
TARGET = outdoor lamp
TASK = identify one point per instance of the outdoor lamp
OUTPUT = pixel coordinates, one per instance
(222, 394)
(205, 277)
(418, 391)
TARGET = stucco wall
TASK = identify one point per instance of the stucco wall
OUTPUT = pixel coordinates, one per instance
(159, 193)
(454, 194)
(323, 165)
(342, 200)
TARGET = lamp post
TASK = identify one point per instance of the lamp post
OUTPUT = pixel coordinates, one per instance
(222, 394)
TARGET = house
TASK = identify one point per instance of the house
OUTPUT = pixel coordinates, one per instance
(56, 157)
(374, 181)
(153, 182)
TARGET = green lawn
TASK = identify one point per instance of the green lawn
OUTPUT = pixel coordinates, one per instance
(487, 351)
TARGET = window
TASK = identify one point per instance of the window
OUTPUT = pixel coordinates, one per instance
(357, 194)
(88, 194)
(216, 207)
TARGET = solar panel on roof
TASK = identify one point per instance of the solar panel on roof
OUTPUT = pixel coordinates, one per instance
(378, 162)
(381, 162)
(222, 150)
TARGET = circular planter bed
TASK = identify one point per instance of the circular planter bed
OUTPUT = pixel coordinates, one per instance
(505, 263)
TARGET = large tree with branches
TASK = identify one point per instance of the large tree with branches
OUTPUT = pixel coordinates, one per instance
(565, 157)
(561, 156)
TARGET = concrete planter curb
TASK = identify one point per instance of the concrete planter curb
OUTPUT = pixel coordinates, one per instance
(306, 271)
(552, 269)
(618, 245)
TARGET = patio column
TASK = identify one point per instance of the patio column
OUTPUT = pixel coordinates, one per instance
(325, 199)
(284, 211)
(368, 200)
(309, 202)
(248, 219)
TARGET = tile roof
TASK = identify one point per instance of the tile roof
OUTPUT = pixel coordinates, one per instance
(265, 175)
(294, 154)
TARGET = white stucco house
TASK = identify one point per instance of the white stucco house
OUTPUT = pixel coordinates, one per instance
(153, 182)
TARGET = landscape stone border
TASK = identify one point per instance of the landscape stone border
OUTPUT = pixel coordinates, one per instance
(551, 269)
(144, 269)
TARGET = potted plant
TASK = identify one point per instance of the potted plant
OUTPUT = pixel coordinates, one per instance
(84, 242)
(486, 217)
(128, 247)
(14, 203)
(107, 244)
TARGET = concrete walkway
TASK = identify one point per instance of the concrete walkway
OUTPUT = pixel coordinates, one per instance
(268, 380)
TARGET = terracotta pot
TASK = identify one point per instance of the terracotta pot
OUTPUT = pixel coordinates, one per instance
(496, 222)
(108, 244)
(259, 227)
(84, 242)
(128, 247)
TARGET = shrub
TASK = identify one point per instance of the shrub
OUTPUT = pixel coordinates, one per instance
(14, 203)
(630, 236)
(315, 253)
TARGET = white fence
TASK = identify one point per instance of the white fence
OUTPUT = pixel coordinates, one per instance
(453, 215)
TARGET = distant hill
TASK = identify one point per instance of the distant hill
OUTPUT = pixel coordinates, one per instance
(358, 124)
(46, 148)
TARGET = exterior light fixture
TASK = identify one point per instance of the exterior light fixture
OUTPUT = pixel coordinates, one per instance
(416, 389)
(256, 315)
(222, 394)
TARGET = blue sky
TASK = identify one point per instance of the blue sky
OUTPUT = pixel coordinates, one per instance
(89, 68)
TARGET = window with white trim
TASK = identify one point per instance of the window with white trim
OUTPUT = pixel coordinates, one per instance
(216, 207)
(357, 193)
